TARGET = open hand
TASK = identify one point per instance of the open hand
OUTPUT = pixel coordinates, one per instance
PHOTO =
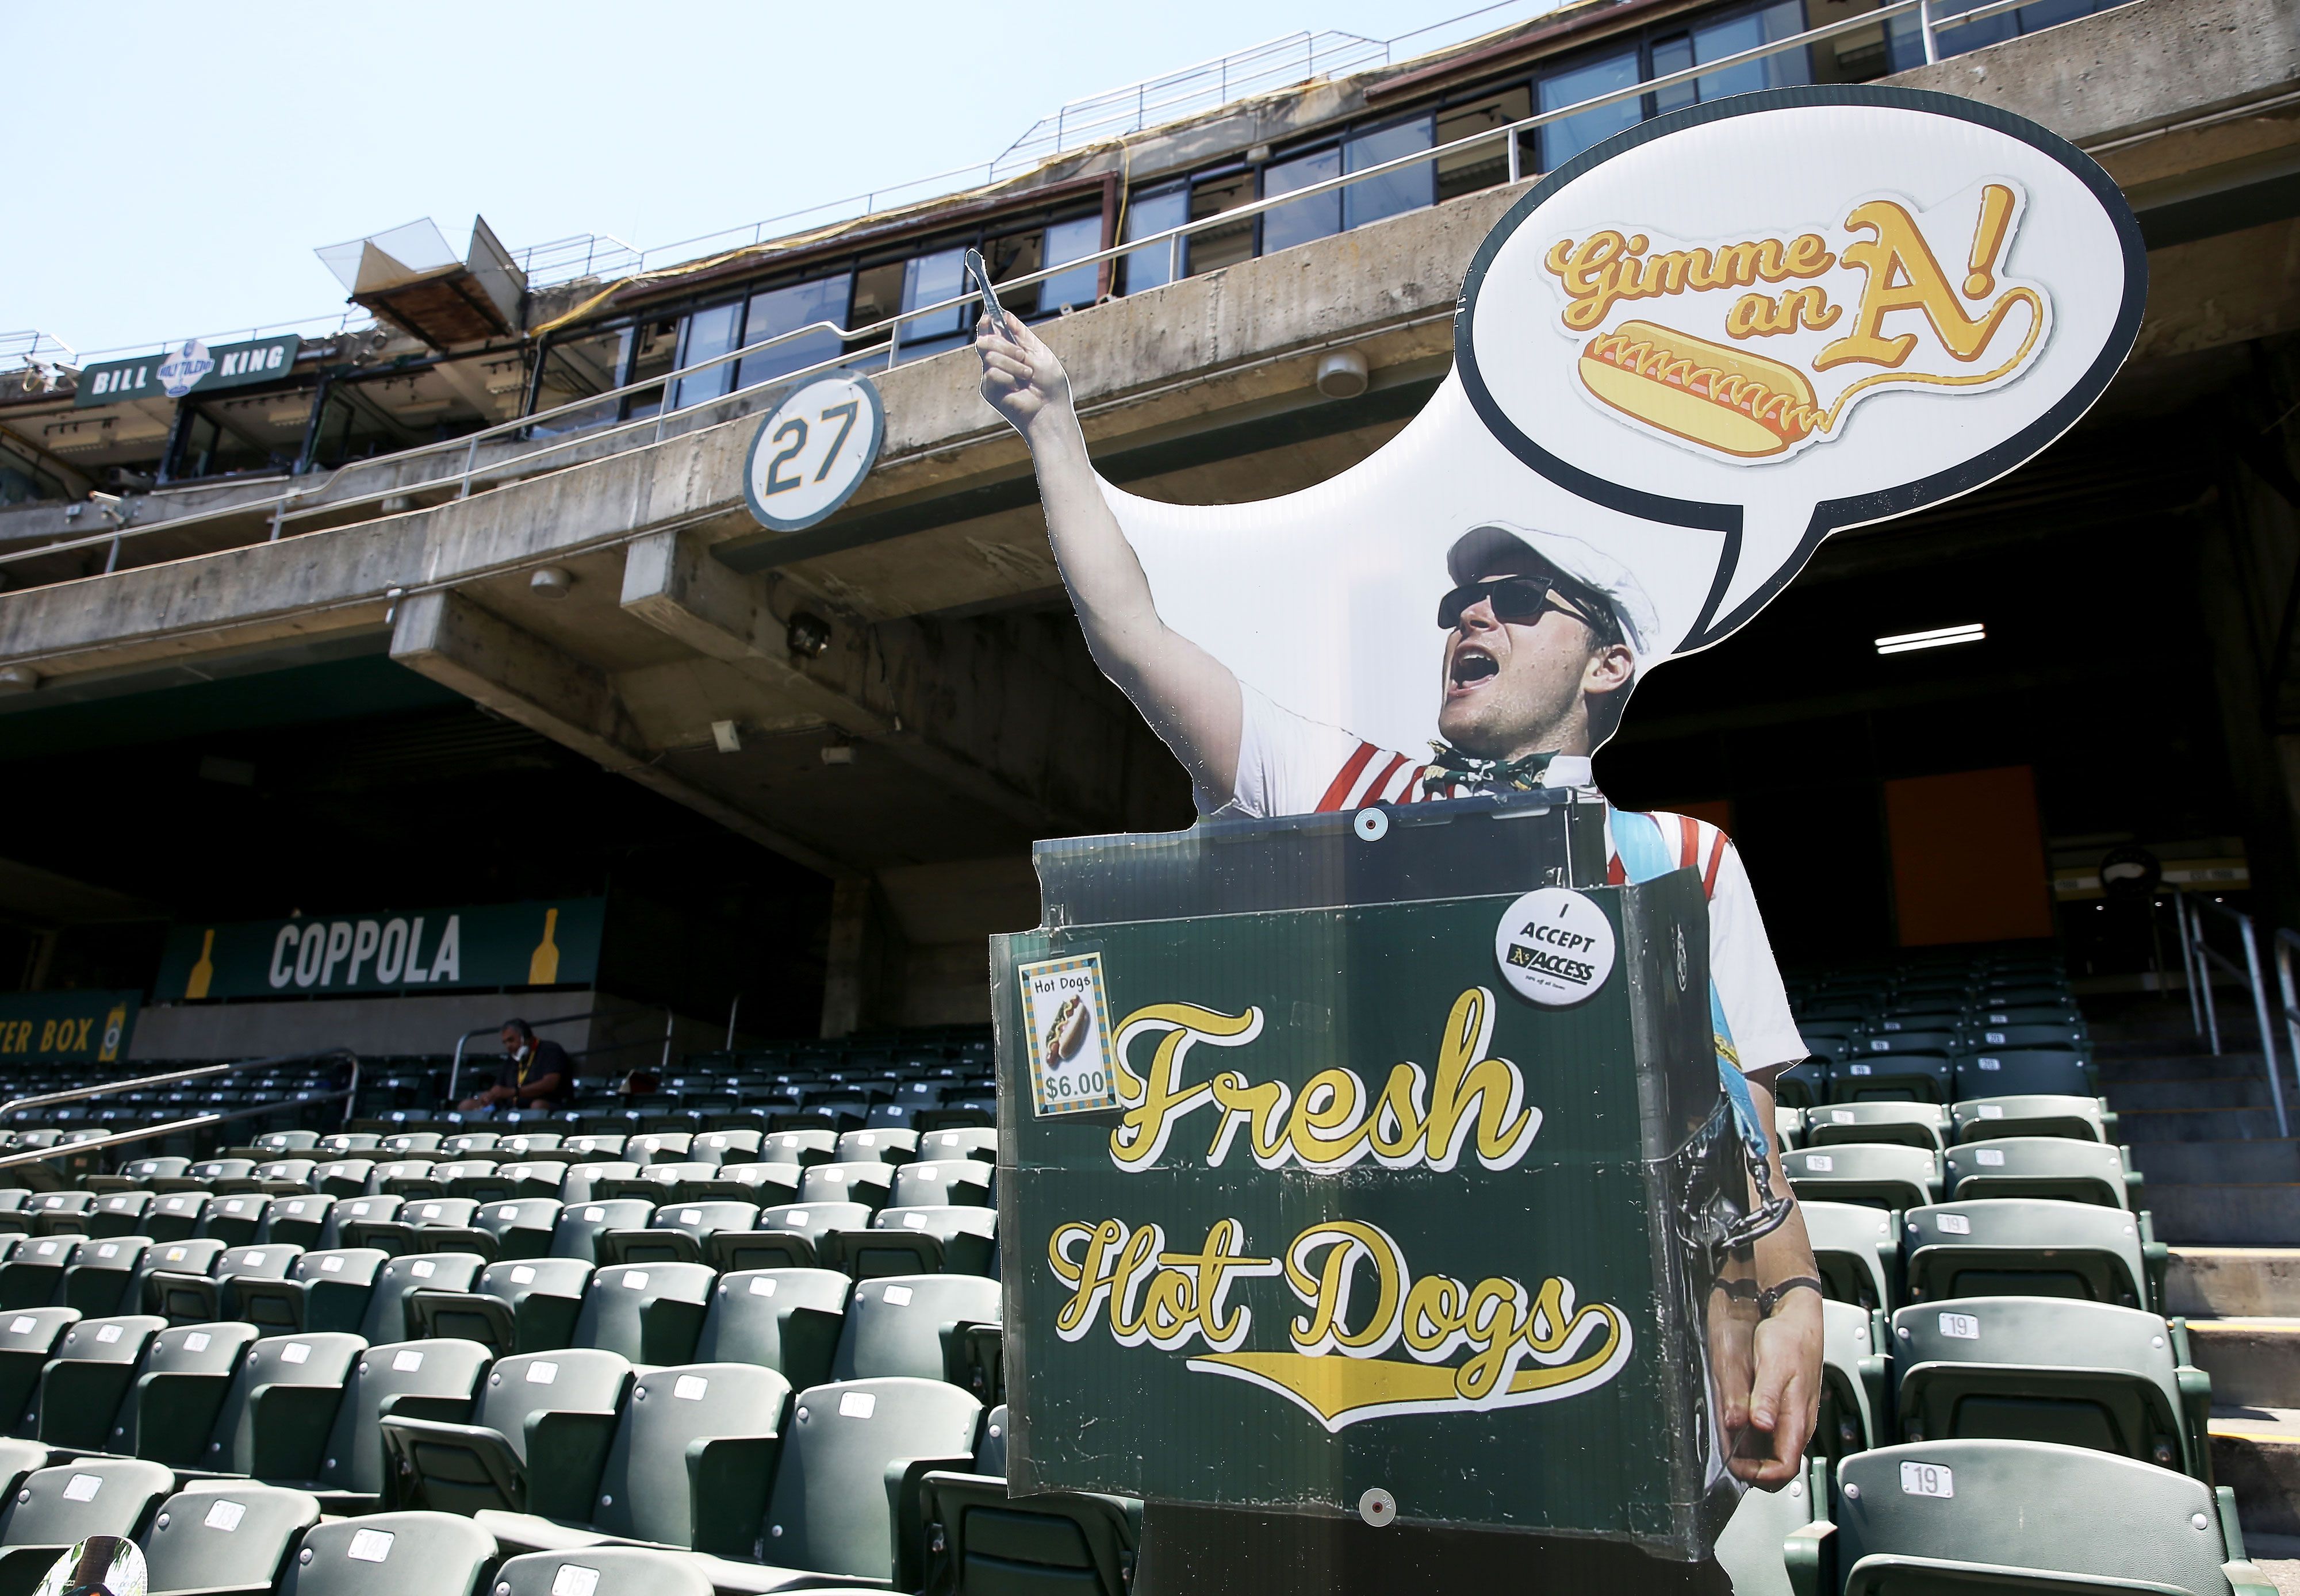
(1021, 376)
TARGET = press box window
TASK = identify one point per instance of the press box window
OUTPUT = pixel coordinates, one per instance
(705, 336)
(1466, 169)
(786, 310)
(1560, 141)
(1714, 41)
(576, 368)
(1409, 187)
(1019, 254)
(1147, 214)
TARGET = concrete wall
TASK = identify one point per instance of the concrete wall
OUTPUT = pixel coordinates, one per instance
(387, 1025)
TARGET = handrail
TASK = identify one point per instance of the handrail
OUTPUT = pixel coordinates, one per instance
(284, 507)
(456, 1071)
(200, 1072)
(2208, 955)
(173, 1127)
(2285, 941)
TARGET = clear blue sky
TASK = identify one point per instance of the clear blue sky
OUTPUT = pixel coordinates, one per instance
(186, 159)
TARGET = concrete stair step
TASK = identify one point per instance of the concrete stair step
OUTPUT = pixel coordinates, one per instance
(2254, 1362)
(2232, 1215)
(2137, 1127)
(2256, 1452)
(2253, 1283)
(2206, 1092)
(2215, 1162)
(2199, 1066)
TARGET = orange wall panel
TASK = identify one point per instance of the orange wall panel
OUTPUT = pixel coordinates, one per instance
(1967, 857)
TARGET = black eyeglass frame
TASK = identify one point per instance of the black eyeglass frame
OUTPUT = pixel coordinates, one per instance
(1522, 600)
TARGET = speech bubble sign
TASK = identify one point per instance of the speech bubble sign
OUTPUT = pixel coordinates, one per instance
(1787, 313)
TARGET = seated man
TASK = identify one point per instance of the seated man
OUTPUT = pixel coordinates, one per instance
(540, 1074)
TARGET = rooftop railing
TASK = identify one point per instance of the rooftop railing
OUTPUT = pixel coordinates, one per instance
(473, 474)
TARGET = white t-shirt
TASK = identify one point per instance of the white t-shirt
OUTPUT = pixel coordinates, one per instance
(1290, 765)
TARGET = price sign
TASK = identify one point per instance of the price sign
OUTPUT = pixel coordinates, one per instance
(1063, 1015)
(812, 452)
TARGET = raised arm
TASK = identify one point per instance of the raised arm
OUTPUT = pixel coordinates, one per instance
(1189, 698)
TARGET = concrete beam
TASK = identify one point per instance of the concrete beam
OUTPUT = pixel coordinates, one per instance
(485, 658)
(910, 688)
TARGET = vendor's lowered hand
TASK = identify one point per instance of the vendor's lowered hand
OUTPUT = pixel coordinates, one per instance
(1785, 1399)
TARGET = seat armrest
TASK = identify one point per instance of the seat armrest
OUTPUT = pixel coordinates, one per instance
(566, 1453)
(438, 1410)
(1810, 1556)
(905, 1519)
(2245, 1579)
(669, 1329)
(728, 1479)
(174, 1414)
(810, 1338)
(288, 1429)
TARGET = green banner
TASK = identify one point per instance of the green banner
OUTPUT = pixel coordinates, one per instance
(1310, 1205)
(542, 943)
(66, 1027)
(190, 367)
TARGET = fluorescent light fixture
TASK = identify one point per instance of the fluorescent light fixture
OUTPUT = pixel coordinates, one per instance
(1938, 637)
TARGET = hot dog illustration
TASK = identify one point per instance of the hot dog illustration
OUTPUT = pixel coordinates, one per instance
(1067, 1033)
(1724, 399)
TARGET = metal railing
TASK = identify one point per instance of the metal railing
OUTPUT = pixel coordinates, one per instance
(2198, 959)
(301, 504)
(173, 1127)
(198, 1072)
(456, 1071)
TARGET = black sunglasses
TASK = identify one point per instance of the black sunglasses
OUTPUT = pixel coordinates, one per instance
(1520, 601)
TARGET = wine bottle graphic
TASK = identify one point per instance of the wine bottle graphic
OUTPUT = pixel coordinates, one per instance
(203, 971)
(543, 965)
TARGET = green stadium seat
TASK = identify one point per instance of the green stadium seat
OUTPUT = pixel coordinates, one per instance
(61, 1213)
(582, 1225)
(186, 1299)
(350, 1214)
(458, 1468)
(397, 1235)
(596, 1147)
(678, 1233)
(2031, 1246)
(1059, 1543)
(28, 1338)
(299, 1221)
(898, 1324)
(650, 1313)
(2065, 1034)
(2042, 1368)
(687, 1463)
(347, 1143)
(591, 1182)
(2013, 1516)
(1788, 1125)
(331, 1443)
(513, 1227)
(882, 1144)
(1802, 1084)
(1854, 1369)
(234, 1220)
(18, 1458)
(943, 1183)
(801, 1147)
(1749, 1548)
(2023, 1073)
(1881, 1174)
(661, 1147)
(530, 1305)
(169, 1431)
(979, 1143)
(231, 1540)
(1900, 1076)
(408, 1144)
(965, 1239)
(770, 1185)
(788, 1320)
(282, 1177)
(388, 1316)
(725, 1147)
(868, 1185)
(122, 1213)
(407, 1179)
(325, 1291)
(183, 1377)
(32, 1273)
(54, 1508)
(176, 1216)
(612, 1570)
(470, 1143)
(390, 1554)
(528, 1143)
(975, 1360)
(1903, 1042)
(2041, 1114)
(1923, 1125)
(89, 1372)
(2039, 1167)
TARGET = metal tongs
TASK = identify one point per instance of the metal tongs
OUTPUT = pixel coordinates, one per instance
(980, 273)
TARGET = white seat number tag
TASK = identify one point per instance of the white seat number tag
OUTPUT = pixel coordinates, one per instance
(1927, 1479)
